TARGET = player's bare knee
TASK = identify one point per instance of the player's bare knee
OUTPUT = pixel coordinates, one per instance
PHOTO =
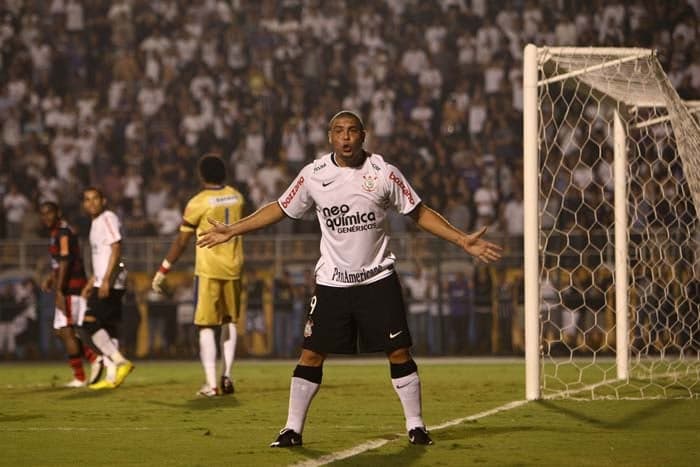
(90, 326)
(311, 358)
(399, 356)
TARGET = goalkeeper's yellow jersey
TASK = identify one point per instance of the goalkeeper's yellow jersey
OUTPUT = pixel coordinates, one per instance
(224, 204)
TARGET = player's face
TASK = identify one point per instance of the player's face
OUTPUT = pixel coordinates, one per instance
(346, 136)
(93, 203)
(48, 216)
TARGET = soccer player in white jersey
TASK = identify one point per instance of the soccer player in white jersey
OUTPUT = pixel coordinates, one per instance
(358, 295)
(106, 287)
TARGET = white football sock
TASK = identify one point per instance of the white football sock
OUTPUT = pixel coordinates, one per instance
(408, 389)
(228, 347)
(110, 366)
(207, 354)
(110, 370)
(301, 393)
(104, 342)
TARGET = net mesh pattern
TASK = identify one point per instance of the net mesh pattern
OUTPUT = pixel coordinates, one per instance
(579, 93)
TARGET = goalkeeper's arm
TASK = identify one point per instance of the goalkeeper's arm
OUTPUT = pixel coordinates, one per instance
(176, 249)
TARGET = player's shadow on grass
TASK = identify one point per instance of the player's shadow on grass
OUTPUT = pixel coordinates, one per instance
(200, 403)
(17, 418)
(87, 393)
(472, 432)
(630, 419)
(407, 455)
(54, 390)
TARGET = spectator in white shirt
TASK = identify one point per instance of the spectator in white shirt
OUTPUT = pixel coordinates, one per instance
(156, 197)
(294, 143)
(133, 182)
(382, 120)
(168, 219)
(513, 217)
(477, 113)
(430, 80)
(16, 206)
(414, 59)
(486, 200)
(151, 98)
(250, 152)
(75, 21)
(423, 113)
(65, 154)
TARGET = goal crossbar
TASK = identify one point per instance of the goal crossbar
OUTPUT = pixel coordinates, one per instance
(592, 68)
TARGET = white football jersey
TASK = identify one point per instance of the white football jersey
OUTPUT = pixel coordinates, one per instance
(104, 231)
(351, 206)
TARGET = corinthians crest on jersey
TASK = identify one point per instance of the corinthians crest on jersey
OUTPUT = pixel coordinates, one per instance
(370, 183)
(351, 204)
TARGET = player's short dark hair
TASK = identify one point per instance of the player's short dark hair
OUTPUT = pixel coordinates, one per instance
(347, 113)
(49, 204)
(95, 189)
(212, 169)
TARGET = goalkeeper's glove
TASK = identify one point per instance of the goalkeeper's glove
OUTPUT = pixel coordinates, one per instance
(157, 284)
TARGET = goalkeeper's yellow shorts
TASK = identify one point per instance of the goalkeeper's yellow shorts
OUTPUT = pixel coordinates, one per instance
(217, 301)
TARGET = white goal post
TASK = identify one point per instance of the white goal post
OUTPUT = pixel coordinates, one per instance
(611, 242)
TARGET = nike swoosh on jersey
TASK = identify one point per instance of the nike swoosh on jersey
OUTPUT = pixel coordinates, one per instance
(394, 334)
(327, 183)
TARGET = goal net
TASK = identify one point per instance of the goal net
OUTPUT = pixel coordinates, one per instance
(612, 254)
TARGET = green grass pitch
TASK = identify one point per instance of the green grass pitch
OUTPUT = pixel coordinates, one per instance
(156, 419)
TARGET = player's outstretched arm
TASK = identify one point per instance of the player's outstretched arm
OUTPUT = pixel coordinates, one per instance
(269, 214)
(430, 221)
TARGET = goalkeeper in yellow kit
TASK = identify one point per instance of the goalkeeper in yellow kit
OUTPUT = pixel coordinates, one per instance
(217, 271)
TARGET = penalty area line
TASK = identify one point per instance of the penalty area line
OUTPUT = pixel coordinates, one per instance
(377, 443)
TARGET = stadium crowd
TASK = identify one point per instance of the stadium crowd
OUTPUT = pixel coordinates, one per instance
(127, 94)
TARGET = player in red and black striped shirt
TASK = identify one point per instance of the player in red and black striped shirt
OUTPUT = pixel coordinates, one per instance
(67, 280)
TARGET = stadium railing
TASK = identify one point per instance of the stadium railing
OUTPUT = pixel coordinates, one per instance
(144, 254)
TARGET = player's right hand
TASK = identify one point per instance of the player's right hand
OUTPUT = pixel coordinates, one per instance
(157, 284)
(47, 283)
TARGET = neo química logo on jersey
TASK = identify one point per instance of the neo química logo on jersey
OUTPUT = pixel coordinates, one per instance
(341, 220)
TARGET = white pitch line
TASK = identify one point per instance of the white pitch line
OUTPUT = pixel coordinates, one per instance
(377, 443)
(487, 413)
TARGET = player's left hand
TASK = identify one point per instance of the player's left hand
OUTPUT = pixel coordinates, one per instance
(481, 249)
(60, 300)
(103, 291)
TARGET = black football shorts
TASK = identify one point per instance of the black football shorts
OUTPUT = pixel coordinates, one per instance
(108, 310)
(363, 318)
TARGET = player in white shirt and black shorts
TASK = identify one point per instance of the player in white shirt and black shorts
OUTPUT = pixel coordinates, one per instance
(105, 290)
(358, 304)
